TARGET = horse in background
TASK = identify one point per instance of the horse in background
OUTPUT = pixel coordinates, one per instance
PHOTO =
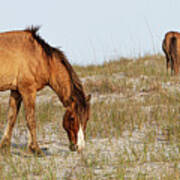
(171, 48)
(28, 64)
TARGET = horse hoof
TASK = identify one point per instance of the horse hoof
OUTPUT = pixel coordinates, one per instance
(36, 151)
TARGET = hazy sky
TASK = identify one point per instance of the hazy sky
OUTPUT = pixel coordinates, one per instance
(91, 31)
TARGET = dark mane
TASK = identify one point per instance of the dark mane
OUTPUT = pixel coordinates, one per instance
(77, 88)
(78, 91)
(34, 31)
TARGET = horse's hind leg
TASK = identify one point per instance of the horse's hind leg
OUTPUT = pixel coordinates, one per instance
(14, 106)
(29, 96)
(167, 63)
(172, 67)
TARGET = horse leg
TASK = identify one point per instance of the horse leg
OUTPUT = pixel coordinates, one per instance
(167, 63)
(14, 106)
(172, 67)
(175, 68)
(29, 105)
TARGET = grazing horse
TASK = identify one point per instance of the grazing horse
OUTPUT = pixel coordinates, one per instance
(171, 48)
(27, 64)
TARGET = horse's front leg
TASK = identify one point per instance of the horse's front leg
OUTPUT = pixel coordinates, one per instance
(14, 106)
(29, 97)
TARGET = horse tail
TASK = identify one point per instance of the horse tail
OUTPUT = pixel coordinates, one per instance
(173, 53)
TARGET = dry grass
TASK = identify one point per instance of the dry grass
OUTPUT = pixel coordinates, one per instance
(134, 131)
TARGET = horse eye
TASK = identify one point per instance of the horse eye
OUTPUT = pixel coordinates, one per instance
(71, 118)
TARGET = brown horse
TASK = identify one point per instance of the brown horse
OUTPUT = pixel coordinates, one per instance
(27, 64)
(171, 48)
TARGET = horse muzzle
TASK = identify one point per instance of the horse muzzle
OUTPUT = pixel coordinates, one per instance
(75, 147)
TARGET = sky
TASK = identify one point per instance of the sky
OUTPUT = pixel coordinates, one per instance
(94, 31)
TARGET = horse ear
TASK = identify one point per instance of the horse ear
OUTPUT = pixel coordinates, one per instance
(88, 98)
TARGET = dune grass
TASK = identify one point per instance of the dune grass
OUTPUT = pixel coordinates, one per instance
(135, 103)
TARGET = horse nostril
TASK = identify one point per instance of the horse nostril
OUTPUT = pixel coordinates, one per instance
(73, 147)
(79, 150)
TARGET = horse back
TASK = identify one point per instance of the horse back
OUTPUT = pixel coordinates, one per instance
(21, 60)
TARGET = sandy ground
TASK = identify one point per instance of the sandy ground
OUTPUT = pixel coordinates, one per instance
(103, 157)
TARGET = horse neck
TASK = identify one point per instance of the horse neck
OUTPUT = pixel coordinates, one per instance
(65, 81)
(60, 82)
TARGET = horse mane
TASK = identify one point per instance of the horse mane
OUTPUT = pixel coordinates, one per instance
(77, 88)
(45, 46)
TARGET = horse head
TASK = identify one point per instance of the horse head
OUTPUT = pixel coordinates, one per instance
(74, 122)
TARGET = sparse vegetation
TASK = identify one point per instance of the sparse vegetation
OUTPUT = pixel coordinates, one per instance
(134, 131)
